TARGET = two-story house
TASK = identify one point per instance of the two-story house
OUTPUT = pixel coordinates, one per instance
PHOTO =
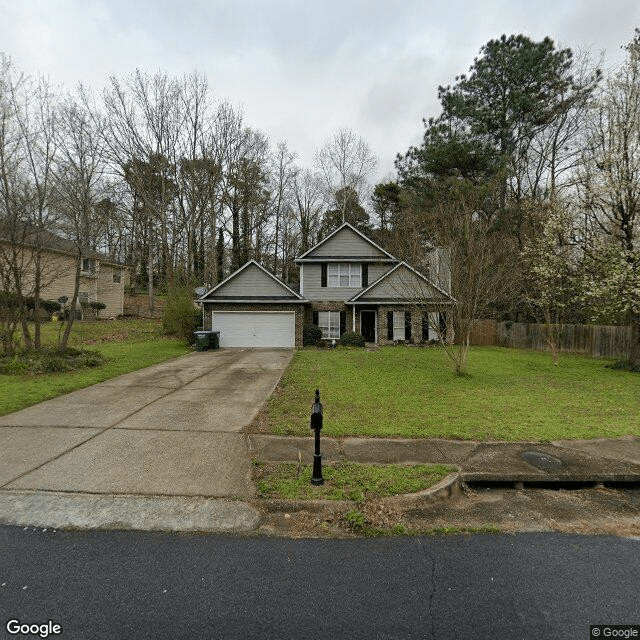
(102, 278)
(347, 283)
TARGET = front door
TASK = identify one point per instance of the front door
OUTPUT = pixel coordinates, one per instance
(368, 325)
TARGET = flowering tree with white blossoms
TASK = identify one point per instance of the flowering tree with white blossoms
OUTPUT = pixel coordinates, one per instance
(551, 261)
(611, 282)
(609, 188)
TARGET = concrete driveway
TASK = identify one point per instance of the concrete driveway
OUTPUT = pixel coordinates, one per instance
(173, 429)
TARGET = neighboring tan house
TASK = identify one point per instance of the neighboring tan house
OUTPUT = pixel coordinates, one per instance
(102, 279)
(347, 283)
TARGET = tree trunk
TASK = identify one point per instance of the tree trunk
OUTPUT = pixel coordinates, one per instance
(37, 342)
(219, 266)
(62, 346)
(235, 234)
(634, 354)
(150, 275)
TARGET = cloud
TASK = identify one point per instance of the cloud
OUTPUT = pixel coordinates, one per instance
(302, 69)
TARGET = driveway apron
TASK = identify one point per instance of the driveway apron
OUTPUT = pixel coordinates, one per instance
(173, 429)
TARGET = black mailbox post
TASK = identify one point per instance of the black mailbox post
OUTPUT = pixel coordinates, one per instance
(316, 425)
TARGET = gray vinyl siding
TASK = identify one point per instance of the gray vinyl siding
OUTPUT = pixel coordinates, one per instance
(377, 270)
(313, 290)
(347, 243)
(403, 283)
(251, 282)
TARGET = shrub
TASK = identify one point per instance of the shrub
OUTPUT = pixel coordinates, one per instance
(180, 317)
(97, 307)
(50, 361)
(311, 335)
(50, 306)
(352, 339)
(623, 365)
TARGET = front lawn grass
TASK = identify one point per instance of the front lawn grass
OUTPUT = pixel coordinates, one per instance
(408, 392)
(345, 480)
(128, 345)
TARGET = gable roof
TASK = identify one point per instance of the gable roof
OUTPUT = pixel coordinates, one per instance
(378, 252)
(370, 294)
(252, 283)
(27, 235)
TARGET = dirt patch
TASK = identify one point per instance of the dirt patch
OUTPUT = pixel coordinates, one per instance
(604, 511)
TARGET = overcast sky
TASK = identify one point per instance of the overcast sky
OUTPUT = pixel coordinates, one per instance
(302, 69)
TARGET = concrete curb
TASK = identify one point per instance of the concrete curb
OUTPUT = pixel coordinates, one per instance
(126, 512)
(293, 506)
(448, 487)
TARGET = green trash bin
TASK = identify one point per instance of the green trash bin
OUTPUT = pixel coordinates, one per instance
(202, 340)
(214, 340)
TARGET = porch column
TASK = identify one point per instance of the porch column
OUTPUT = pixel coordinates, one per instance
(354, 317)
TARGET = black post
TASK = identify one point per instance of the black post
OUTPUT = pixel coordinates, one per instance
(316, 425)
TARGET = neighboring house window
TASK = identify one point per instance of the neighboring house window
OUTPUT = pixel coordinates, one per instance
(329, 323)
(117, 275)
(89, 265)
(398, 325)
(83, 297)
(344, 275)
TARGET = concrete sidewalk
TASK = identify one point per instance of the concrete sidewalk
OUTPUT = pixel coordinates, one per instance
(604, 460)
(158, 448)
(165, 448)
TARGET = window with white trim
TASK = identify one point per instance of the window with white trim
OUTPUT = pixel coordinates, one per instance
(89, 266)
(344, 274)
(83, 297)
(329, 323)
(398, 325)
(117, 275)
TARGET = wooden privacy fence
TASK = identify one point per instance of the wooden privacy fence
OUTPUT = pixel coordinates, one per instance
(595, 340)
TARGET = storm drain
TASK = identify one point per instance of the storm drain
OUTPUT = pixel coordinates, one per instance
(553, 485)
(552, 465)
(542, 461)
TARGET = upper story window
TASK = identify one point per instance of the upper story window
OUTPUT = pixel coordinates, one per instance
(117, 275)
(89, 266)
(344, 274)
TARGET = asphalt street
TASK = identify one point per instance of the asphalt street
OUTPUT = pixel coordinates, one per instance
(98, 584)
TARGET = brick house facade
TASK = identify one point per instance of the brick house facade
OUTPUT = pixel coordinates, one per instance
(347, 283)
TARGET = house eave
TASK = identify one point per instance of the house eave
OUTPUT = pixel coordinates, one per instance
(389, 273)
(251, 300)
(246, 265)
(403, 301)
(342, 226)
(346, 259)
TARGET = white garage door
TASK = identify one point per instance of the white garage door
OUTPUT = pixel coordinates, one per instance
(255, 328)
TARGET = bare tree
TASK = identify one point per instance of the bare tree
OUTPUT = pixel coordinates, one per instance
(345, 161)
(308, 188)
(29, 120)
(552, 157)
(458, 249)
(143, 123)
(283, 174)
(79, 189)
